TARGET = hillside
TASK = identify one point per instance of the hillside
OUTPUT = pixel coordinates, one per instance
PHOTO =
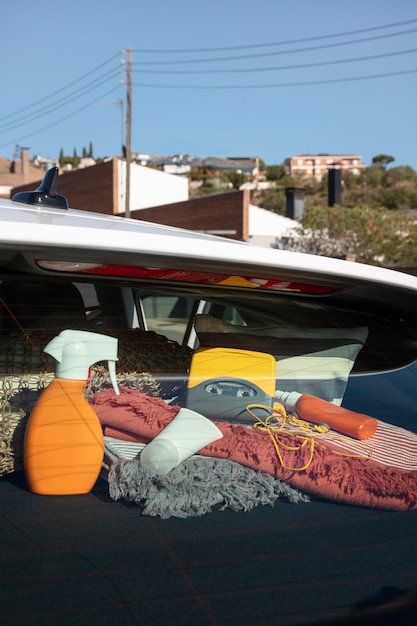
(393, 188)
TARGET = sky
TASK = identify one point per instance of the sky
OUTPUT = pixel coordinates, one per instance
(224, 78)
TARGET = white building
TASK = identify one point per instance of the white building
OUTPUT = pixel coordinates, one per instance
(265, 226)
(150, 187)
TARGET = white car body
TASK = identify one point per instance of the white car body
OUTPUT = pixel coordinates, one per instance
(97, 236)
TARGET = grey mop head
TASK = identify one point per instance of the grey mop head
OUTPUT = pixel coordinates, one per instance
(197, 486)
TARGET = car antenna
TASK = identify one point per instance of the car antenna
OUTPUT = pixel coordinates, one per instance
(45, 194)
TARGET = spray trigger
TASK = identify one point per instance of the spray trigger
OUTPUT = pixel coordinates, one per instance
(112, 372)
(76, 351)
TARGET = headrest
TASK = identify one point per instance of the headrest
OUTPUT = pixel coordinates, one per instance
(24, 302)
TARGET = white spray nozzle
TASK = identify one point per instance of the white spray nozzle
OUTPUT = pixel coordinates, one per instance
(77, 350)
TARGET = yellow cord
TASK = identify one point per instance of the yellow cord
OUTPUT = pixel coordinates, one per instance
(280, 422)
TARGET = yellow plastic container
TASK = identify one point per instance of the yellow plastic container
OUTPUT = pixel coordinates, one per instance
(224, 363)
(224, 381)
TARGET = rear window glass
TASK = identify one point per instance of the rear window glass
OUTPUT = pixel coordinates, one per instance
(321, 347)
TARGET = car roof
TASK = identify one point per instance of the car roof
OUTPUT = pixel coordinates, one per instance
(63, 236)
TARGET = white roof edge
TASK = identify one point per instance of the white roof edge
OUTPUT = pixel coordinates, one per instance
(23, 224)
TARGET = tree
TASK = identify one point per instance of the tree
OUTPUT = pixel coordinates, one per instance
(400, 174)
(382, 160)
(274, 200)
(75, 159)
(398, 199)
(235, 177)
(373, 175)
(349, 179)
(370, 235)
(196, 173)
(275, 172)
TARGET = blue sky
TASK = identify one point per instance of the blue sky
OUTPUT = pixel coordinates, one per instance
(270, 78)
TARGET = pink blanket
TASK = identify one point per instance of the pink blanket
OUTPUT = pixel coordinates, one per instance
(133, 416)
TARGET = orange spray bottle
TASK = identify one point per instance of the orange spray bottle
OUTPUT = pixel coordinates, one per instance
(319, 411)
(64, 446)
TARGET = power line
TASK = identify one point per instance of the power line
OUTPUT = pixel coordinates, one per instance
(60, 103)
(29, 106)
(62, 119)
(282, 67)
(275, 43)
(64, 100)
(274, 85)
(277, 52)
(30, 113)
(34, 111)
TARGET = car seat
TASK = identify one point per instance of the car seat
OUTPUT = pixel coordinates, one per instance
(30, 304)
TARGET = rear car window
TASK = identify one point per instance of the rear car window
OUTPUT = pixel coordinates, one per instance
(360, 347)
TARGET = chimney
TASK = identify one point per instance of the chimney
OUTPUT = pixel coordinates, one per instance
(24, 161)
(335, 186)
(294, 203)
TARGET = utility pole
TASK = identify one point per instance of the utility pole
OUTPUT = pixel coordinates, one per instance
(128, 129)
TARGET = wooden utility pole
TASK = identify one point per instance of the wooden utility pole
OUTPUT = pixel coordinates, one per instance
(128, 129)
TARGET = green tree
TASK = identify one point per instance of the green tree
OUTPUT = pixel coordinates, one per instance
(400, 174)
(398, 199)
(370, 235)
(235, 177)
(275, 172)
(75, 159)
(288, 181)
(382, 160)
(273, 200)
(196, 173)
(349, 179)
(372, 175)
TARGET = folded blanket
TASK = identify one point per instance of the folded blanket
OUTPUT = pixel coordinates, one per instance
(136, 417)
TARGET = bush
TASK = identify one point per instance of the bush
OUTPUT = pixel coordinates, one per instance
(274, 200)
(370, 235)
(398, 199)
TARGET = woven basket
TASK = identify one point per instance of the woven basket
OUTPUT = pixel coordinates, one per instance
(25, 370)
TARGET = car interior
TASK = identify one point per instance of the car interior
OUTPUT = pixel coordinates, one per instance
(159, 327)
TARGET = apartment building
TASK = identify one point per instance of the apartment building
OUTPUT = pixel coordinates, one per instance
(317, 165)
